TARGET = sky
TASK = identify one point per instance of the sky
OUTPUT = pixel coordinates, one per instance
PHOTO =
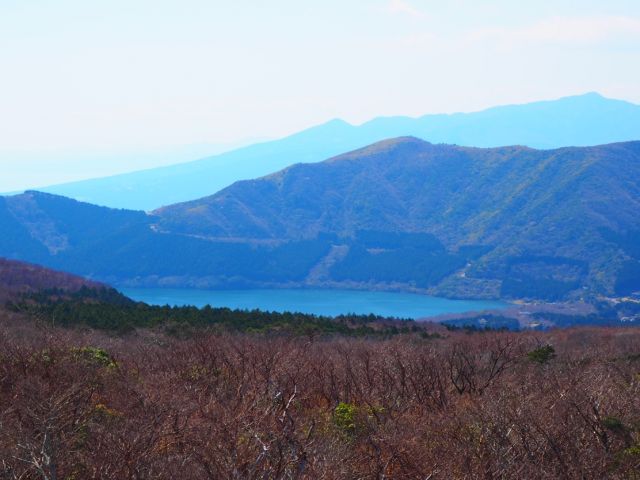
(90, 88)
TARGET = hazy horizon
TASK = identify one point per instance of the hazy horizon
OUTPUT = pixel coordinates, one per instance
(110, 80)
(34, 169)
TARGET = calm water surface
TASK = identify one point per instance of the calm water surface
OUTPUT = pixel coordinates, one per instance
(319, 302)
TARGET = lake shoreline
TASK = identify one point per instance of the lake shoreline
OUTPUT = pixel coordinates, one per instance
(319, 301)
(216, 284)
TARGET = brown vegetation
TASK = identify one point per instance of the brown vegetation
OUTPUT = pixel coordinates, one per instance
(19, 278)
(81, 404)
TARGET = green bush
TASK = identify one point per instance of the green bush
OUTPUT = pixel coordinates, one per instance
(542, 354)
(95, 355)
(633, 451)
(344, 417)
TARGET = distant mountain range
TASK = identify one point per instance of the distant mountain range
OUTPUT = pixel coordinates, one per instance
(510, 222)
(572, 121)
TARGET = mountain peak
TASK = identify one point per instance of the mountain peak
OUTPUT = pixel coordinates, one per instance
(386, 146)
(592, 95)
(337, 122)
(595, 98)
(399, 142)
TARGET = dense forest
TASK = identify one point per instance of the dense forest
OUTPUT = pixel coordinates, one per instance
(107, 309)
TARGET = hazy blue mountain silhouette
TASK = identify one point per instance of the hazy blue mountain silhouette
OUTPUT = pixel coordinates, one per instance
(572, 121)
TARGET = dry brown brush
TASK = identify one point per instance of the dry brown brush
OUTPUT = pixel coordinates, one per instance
(83, 405)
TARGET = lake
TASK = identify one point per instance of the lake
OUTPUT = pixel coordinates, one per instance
(319, 302)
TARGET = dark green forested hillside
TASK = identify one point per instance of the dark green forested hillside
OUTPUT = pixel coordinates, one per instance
(106, 309)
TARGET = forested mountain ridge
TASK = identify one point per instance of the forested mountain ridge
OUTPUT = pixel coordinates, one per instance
(560, 211)
(581, 120)
(509, 222)
(407, 184)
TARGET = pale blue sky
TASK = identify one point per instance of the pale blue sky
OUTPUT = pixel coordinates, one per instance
(127, 76)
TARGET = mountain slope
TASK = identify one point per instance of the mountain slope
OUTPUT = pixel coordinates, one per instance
(18, 278)
(406, 184)
(572, 121)
(122, 246)
(508, 222)
(552, 212)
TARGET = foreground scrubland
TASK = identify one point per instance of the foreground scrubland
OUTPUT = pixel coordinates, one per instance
(78, 404)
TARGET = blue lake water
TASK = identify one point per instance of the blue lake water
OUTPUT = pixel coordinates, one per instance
(319, 302)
